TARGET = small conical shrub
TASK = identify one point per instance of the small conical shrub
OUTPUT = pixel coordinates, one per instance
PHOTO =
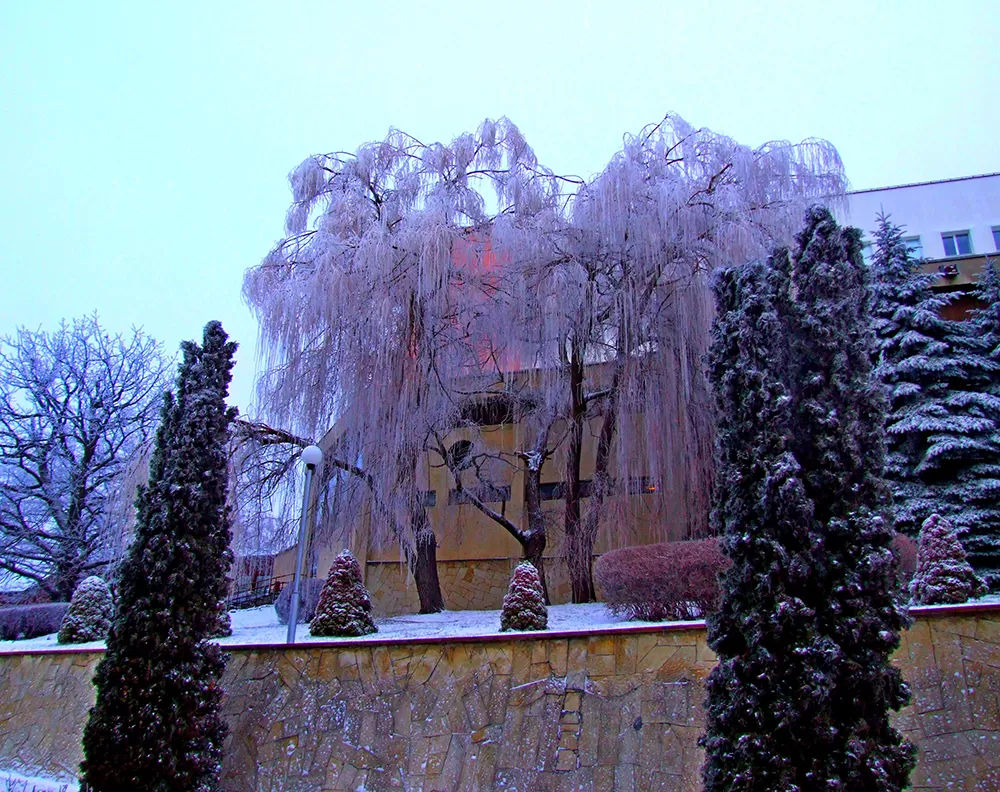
(943, 573)
(524, 603)
(344, 607)
(89, 614)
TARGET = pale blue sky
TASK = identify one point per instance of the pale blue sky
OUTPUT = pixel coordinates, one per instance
(144, 148)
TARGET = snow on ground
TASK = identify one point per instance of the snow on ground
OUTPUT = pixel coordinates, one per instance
(256, 626)
(13, 782)
(261, 626)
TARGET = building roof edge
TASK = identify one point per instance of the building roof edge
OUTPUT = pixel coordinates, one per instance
(924, 183)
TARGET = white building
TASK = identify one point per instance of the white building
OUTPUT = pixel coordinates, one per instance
(953, 224)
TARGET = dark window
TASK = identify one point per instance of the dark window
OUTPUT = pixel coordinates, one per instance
(460, 455)
(551, 491)
(957, 243)
(555, 490)
(641, 486)
(430, 499)
(996, 237)
(490, 411)
(487, 493)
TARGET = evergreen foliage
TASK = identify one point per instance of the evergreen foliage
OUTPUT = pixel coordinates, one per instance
(943, 573)
(89, 615)
(156, 723)
(524, 603)
(942, 422)
(344, 605)
(981, 538)
(809, 616)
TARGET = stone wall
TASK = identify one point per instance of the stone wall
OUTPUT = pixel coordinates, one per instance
(620, 710)
(465, 585)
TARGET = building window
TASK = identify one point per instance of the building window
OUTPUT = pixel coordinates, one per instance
(957, 243)
(487, 493)
(915, 247)
(996, 237)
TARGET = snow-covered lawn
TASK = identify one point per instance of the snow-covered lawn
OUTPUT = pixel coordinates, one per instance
(261, 626)
(13, 782)
(256, 626)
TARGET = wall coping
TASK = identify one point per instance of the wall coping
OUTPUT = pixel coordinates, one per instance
(965, 608)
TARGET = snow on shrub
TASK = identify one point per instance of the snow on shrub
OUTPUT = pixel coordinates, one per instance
(309, 591)
(943, 574)
(19, 622)
(524, 603)
(89, 614)
(344, 606)
(672, 580)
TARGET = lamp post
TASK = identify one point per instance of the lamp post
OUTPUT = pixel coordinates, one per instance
(312, 456)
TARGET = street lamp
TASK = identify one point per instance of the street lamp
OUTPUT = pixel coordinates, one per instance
(312, 456)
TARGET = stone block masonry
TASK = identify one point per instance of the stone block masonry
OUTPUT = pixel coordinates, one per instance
(465, 585)
(617, 710)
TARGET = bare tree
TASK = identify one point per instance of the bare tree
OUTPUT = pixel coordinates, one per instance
(77, 408)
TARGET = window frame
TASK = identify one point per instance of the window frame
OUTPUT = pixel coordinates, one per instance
(996, 237)
(917, 251)
(953, 235)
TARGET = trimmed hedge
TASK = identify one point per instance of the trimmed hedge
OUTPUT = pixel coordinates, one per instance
(19, 622)
(668, 581)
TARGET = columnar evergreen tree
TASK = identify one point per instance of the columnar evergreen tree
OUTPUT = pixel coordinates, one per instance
(801, 695)
(942, 422)
(156, 723)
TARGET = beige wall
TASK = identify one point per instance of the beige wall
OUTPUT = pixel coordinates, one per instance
(620, 710)
(467, 538)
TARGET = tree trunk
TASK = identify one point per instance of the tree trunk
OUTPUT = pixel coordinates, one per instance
(601, 484)
(576, 551)
(534, 553)
(533, 544)
(423, 563)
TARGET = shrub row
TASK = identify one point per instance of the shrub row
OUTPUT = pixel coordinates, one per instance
(668, 581)
(680, 580)
(19, 622)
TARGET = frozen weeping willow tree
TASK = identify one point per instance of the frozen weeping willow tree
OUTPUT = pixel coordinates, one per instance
(416, 279)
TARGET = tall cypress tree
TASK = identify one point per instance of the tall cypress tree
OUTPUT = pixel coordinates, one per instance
(801, 695)
(156, 723)
(943, 454)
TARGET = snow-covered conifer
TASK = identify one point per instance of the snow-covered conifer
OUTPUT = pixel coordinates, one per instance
(89, 614)
(344, 606)
(801, 695)
(981, 538)
(156, 723)
(942, 420)
(943, 574)
(524, 603)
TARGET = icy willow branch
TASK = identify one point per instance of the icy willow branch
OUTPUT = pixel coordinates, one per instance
(412, 274)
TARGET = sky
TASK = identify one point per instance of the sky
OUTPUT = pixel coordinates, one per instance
(144, 148)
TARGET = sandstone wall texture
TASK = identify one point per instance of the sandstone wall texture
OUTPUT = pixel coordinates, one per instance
(465, 585)
(621, 710)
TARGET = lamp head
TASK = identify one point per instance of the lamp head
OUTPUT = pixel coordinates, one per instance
(312, 456)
